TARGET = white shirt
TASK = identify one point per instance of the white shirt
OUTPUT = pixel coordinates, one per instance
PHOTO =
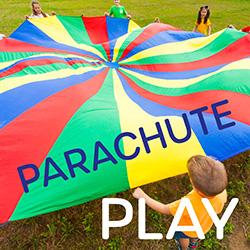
(38, 16)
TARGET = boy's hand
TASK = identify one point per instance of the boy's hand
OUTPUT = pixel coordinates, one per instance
(138, 193)
(156, 205)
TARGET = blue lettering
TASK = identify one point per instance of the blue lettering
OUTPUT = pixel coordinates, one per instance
(201, 118)
(118, 150)
(79, 164)
(171, 133)
(49, 162)
(24, 181)
(153, 137)
(218, 116)
(97, 161)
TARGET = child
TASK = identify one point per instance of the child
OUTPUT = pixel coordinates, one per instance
(230, 26)
(37, 11)
(203, 24)
(209, 180)
(157, 20)
(118, 11)
(2, 36)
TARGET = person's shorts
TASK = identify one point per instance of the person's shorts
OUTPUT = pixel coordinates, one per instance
(181, 235)
(192, 244)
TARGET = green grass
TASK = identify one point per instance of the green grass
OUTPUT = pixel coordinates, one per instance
(80, 227)
(181, 14)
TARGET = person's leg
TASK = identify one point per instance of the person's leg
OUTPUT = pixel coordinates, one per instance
(178, 244)
(182, 240)
(193, 244)
(184, 243)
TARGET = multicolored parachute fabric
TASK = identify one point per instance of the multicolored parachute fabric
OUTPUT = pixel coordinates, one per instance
(95, 106)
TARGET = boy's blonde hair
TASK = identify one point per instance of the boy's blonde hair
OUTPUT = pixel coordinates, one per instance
(207, 175)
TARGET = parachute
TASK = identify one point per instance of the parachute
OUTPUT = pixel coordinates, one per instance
(95, 106)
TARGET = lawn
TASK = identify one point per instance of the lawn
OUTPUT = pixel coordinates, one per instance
(181, 14)
(80, 227)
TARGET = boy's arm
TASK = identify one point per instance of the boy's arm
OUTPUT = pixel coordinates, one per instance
(156, 205)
